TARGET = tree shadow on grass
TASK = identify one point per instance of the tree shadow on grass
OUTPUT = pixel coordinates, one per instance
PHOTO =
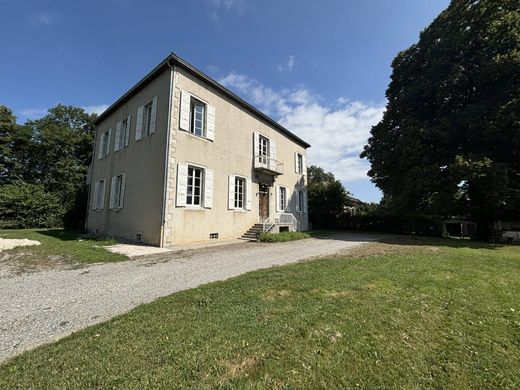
(404, 239)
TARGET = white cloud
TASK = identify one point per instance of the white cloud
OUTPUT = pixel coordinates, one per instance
(95, 109)
(288, 66)
(44, 18)
(237, 5)
(336, 131)
(33, 113)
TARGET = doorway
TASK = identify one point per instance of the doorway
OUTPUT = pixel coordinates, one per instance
(263, 205)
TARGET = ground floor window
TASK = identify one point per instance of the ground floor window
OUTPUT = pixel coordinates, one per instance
(282, 198)
(240, 186)
(194, 187)
(300, 201)
(117, 191)
(99, 195)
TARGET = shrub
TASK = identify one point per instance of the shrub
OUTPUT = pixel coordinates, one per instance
(283, 237)
(24, 205)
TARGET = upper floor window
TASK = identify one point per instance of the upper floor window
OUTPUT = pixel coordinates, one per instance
(122, 134)
(146, 119)
(104, 144)
(240, 189)
(299, 163)
(198, 117)
(194, 186)
(263, 149)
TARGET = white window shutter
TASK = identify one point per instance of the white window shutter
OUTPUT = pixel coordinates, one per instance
(256, 143)
(101, 146)
(304, 166)
(208, 188)
(95, 196)
(123, 183)
(249, 193)
(182, 184)
(272, 149)
(296, 162)
(108, 141)
(139, 123)
(277, 199)
(127, 131)
(231, 192)
(112, 192)
(305, 202)
(103, 187)
(185, 111)
(153, 120)
(210, 128)
(118, 136)
(296, 200)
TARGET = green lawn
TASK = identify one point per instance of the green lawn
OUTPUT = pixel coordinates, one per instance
(415, 316)
(58, 246)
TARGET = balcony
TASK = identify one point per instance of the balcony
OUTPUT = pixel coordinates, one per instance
(267, 165)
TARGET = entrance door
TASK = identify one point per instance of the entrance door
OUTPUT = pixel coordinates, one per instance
(263, 206)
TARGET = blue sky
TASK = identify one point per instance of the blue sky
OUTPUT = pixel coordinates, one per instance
(320, 68)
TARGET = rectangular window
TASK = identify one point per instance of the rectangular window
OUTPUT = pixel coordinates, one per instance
(117, 201)
(263, 149)
(147, 119)
(122, 134)
(299, 163)
(300, 201)
(105, 142)
(194, 187)
(99, 201)
(240, 186)
(198, 117)
(282, 199)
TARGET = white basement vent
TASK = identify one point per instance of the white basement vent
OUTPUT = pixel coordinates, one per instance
(213, 235)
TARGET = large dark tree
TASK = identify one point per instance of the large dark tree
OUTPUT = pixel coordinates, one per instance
(327, 198)
(449, 141)
(47, 156)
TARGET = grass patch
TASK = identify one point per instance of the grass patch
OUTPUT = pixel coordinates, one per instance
(58, 246)
(283, 236)
(418, 318)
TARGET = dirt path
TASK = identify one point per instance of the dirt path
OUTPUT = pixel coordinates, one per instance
(43, 306)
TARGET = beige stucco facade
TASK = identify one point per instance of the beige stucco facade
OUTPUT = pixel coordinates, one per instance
(151, 165)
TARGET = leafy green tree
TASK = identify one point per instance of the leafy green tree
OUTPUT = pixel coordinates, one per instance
(25, 205)
(449, 141)
(327, 198)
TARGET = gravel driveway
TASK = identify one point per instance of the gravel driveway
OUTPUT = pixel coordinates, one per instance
(41, 307)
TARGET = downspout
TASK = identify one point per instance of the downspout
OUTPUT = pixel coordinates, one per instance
(167, 160)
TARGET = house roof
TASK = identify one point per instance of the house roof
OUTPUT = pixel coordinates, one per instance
(174, 59)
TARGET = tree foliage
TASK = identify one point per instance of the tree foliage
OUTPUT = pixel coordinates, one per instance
(449, 141)
(52, 153)
(327, 198)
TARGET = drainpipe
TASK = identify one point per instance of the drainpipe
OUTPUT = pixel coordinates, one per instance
(167, 160)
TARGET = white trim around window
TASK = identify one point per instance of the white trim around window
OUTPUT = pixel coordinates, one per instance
(117, 191)
(281, 199)
(98, 198)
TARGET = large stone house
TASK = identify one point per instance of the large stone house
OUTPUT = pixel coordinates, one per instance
(180, 158)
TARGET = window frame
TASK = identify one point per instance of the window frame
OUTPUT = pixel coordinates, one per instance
(119, 190)
(192, 186)
(299, 163)
(123, 130)
(147, 119)
(105, 143)
(300, 206)
(264, 147)
(195, 102)
(240, 198)
(100, 195)
(280, 198)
